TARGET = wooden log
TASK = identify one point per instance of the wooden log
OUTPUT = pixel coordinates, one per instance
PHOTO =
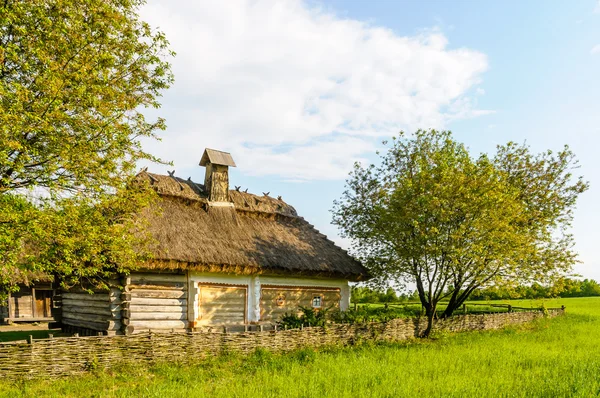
(90, 317)
(88, 310)
(101, 326)
(150, 316)
(86, 296)
(168, 294)
(153, 301)
(90, 304)
(158, 325)
(156, 277)
(158, 286)
(174, 309)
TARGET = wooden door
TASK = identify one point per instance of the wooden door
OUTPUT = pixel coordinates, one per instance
(222, 305)
(43, 300)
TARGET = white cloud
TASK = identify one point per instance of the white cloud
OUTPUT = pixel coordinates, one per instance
(277, 83)
(595, 50)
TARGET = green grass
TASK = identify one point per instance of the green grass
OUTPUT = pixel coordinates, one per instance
(549, 358)
(23, 335)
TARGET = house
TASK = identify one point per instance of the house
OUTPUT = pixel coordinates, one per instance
(33, 302)
(221, 257)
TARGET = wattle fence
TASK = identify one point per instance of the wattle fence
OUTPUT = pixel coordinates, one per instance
(75, 355)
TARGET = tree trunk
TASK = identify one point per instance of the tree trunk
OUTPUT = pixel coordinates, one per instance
(452, 306)
(430, 314)
(456, 301)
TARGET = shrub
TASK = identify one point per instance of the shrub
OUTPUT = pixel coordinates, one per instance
(309, 317)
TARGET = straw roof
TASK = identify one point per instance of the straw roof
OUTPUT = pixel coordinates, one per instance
(24, 277)
(257, 234)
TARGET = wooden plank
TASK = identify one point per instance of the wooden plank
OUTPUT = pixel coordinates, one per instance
(168, 294)
(158, 308)
(157, 316)
(155, 301)
(86, 296)
(223, 316)
(294, 298)
(21, 304)
(90, 310)
(94, 304)
(222, 305)
(225, 310)
(158, 325)
(90, 317)
(100, 326)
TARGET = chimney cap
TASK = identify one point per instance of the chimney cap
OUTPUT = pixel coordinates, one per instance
(216, 157)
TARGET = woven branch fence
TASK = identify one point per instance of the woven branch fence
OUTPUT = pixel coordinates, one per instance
(75, 355)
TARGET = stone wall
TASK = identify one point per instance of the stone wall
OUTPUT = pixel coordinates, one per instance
(74, 355)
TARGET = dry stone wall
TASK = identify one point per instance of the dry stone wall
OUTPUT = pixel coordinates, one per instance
(74, 355)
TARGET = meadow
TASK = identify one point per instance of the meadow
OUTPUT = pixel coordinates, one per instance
(548, 358)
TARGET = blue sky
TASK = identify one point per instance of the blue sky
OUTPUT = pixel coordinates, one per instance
(298, 91)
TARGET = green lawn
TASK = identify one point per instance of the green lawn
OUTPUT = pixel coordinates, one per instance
(24, 335)
(550, 358)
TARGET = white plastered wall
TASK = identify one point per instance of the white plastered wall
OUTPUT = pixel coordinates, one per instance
(254, 284)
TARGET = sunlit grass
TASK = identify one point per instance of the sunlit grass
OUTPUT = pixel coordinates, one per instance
(549, 358)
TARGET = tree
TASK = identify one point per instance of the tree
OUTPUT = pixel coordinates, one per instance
(75, 77)
(433, 215)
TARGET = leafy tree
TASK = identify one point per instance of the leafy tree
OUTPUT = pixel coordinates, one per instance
(433, 215)
(75, 77)
(562, 287)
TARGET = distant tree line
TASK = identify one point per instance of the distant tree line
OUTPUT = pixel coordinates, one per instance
(363, 294)
(562, 288)
(565, 287)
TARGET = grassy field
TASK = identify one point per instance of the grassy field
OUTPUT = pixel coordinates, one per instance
(550, 358)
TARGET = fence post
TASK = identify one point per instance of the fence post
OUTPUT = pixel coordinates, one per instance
(509, 308)
(464, 309)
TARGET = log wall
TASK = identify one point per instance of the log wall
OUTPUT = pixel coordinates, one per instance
(99, 312)
(155, 301)
(76, 355)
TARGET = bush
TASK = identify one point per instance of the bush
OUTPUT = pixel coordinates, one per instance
(365, 313)
(309, 317)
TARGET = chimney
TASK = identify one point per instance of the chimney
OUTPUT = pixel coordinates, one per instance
(216, 180)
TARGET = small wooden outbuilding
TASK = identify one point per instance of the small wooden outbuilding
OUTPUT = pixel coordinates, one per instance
(33, 302)
(221, 257)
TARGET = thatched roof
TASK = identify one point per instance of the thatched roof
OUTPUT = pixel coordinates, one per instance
(18, 276)
(257, 234)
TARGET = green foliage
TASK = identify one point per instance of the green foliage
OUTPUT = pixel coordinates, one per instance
(368, 313)
(75, 79)
(551, 358)
(432, 214)
(563, 287)
(365, 294)
(308, 317)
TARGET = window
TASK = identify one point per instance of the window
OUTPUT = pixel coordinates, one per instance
(316, 302)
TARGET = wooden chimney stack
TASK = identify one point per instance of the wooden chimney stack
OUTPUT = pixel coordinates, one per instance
(216, 179)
